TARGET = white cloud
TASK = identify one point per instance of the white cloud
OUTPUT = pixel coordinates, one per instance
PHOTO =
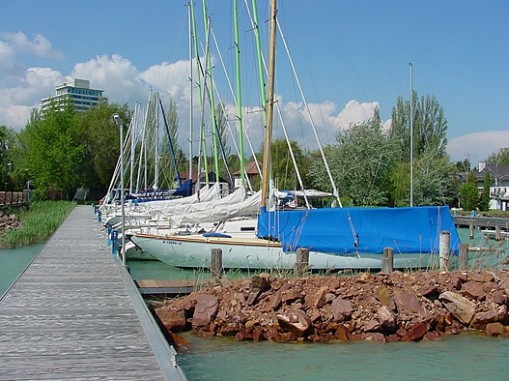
(477, 146)
(39, 46)
(17, 102)
(355, 112)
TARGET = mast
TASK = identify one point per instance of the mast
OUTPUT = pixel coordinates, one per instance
(209, 88)
(156, 142)
(239, 92)
(411, 128)
(190, 170)
(270, 106)
(199, 74)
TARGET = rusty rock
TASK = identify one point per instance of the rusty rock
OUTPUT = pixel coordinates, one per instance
(341, 309)
(462, 308)
(295, 321)
(205, 309)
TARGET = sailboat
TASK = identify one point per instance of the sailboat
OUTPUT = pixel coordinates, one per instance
(337, 238)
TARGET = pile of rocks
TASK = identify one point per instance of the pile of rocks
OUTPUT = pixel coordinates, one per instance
(8, 221)
(382, 307)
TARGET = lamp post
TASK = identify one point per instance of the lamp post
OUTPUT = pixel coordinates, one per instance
(118, 122)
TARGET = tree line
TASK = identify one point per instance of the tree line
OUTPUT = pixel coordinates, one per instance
(370, 165)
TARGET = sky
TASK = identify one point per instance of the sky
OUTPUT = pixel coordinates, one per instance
(349, 57)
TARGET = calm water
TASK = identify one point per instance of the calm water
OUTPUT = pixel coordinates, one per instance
(13, 262)
(465, 358)
(458, 358)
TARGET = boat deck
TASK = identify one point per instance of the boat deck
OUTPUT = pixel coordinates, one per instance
(75, 314)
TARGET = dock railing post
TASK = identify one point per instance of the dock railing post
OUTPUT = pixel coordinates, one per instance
(445, 239)
(471, 229)
(463, 257)
(301, 267)
(216, 263)
(388, 260)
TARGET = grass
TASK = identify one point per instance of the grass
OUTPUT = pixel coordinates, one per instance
(37, 224)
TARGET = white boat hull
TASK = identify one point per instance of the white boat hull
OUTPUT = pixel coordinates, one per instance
(194, 251)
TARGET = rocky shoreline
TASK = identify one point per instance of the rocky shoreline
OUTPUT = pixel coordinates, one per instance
(370, 307)
(8, 221)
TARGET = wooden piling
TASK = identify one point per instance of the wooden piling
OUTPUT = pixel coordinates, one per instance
(498, 235)
(471, 229)
(445, 240)
(216, 263)
(463, 257)
(388, 260)
(301, 262)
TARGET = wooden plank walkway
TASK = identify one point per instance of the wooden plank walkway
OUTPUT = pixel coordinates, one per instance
(74, 315)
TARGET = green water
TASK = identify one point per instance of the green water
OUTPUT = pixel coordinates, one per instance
(457, 358)
(13, 262)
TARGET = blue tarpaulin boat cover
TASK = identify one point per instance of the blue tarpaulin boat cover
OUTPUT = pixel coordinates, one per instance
(362, 230)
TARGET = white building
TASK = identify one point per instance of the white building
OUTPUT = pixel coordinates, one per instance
(78, 92)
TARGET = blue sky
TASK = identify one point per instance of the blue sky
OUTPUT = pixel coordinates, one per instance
(350, 56)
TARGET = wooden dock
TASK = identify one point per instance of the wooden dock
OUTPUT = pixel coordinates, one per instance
(75, 314)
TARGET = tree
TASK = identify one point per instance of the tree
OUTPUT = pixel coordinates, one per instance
(432, 180)
(99, 135)
(500, 158)
(484, 203)
(54, 157)
(469, 195)
(361, 164)
(428, 124)
(284, 172)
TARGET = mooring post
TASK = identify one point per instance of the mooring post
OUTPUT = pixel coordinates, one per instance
(471, 229)
(463, 257)
(301, 262)
(498, 235)
(445, 239)
(388, 260)
(216, 263)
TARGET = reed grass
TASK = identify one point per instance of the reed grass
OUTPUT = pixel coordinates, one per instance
(37, 224)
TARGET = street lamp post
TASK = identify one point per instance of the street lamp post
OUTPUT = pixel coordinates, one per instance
(118, 122)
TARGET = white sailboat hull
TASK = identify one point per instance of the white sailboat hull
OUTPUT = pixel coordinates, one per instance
(194, 251)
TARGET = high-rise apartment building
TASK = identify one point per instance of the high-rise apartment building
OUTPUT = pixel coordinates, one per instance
(78, 92)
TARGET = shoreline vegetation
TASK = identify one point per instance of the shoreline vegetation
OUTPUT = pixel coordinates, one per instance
(35, 225)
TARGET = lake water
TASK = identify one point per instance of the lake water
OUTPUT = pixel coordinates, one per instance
(13, 262)
(465, 357)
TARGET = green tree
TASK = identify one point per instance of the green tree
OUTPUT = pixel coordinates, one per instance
(361, 164)
(98, 134)
(469, 195)
(284, 172)
(429, 126)
(432, 180)
(484, 203)
(53, 156)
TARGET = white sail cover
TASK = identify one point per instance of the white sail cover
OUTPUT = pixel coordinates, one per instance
(219, 212)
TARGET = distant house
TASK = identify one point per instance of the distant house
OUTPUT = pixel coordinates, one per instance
(499, 188)
(251, 171)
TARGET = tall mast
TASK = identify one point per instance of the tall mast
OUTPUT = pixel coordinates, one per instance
(270, 105)
(209, 88)
(199, 72)
(239, 92)
(411, 128)
(190, 170)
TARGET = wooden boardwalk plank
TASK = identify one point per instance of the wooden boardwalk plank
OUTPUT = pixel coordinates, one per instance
(71, 315)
